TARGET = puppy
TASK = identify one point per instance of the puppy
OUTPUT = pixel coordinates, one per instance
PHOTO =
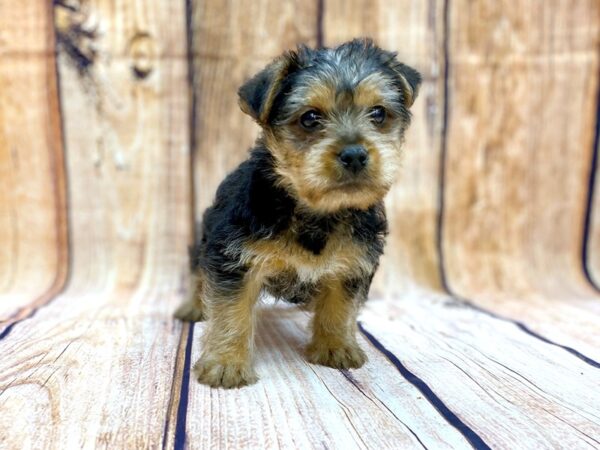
(303, 217)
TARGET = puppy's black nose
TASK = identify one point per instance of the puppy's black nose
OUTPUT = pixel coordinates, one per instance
(354, 158)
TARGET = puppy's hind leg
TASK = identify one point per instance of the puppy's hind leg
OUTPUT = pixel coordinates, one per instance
(192, 309)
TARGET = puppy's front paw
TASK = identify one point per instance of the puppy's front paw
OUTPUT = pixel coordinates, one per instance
(189, 312)
(345, 356)
(227, 375)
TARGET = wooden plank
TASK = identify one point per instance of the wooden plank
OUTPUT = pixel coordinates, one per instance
(299, 405)
(94, 368)
(471, 378)
(415, 30)
(33, 253)
(510, 388)
(522, 81)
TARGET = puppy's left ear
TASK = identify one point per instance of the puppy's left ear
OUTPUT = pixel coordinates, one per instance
(411, 82)
(256, 96)
(408, 79)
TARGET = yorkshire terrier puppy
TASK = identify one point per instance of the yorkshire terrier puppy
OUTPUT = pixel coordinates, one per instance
(303, 217)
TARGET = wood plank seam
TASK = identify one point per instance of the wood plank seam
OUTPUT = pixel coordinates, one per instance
(180, 402)
(320, 28)
(470, 435)
(587, 224)
(348, 376)
(59, 188)
(443, 147)
(523, 327)
(189, 32)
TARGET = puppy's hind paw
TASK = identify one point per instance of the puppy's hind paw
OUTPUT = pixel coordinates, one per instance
(226, 375)
(341, 357)
(189, 312)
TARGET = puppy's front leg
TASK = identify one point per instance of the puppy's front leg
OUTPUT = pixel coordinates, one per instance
(334, 327)
(226, 359)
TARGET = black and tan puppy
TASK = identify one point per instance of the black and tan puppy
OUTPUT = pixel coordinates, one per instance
(302, 218)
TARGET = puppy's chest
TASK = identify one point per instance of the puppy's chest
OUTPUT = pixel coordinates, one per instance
(312, 250)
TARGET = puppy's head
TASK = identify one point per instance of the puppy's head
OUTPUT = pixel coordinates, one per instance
(334, 120)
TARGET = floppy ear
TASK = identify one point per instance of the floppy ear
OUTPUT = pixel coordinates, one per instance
(411, 82)
(408, 78)
(256, 95)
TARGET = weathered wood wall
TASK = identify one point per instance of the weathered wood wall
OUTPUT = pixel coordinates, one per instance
(518, 157)
(33, 241)
(124, 112)
(117, 121)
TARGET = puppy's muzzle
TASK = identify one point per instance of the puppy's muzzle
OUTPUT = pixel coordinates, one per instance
(354, 158)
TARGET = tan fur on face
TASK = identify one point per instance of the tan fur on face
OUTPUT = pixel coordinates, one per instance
(307, 162)
(313, 175)
(321, 96)
(369, 91)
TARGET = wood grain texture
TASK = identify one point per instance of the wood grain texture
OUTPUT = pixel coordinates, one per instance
(534, 395)
(33, 242)
(230, 44)
(523, 79)
(103, 364)
(94, 367)
(299, 405)
(460, 386)
(415, 30)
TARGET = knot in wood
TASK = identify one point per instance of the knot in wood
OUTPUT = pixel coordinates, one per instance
(142, 51)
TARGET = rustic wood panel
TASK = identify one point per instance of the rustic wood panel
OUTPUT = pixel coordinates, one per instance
(33, 249)
(511, 389)
(230, 44)
(449, 381)
(523, 80)
(415, 30)
(104, 365)
(94, 367)
(299, 405)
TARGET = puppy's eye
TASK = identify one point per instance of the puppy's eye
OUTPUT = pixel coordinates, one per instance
(311, 120)
(377, 114)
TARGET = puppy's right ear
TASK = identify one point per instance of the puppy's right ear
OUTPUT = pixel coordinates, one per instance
(256, 96)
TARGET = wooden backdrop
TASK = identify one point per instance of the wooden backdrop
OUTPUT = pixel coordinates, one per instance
(119, 118)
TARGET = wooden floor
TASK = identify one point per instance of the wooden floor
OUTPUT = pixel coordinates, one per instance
(119, 118)
(441, 374)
